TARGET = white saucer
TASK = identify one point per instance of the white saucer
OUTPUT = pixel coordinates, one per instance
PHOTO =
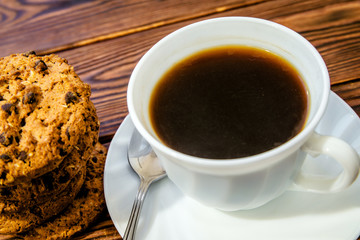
(169, 215)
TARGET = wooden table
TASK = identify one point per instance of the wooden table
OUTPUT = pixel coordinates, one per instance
(104, 40)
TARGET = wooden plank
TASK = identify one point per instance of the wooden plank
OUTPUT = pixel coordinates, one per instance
(106, 58)
(107, 65)
(335, 31)
(350, 92)
(102, 230)
(330, 38)
(41, 24)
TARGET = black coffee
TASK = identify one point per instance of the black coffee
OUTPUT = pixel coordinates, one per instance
(229, 102)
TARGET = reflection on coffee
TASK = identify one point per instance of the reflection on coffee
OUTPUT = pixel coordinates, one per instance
(228, 102)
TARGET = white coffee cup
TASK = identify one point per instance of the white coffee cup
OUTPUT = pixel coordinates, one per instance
(248, 182)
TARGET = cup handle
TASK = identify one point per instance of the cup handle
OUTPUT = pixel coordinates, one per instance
(337, 149)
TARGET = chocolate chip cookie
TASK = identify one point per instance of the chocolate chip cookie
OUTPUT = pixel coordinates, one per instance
(27, 218)
(45, 112)
(88, 204)
(46, 185)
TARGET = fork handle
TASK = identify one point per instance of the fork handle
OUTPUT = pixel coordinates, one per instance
(135, 212)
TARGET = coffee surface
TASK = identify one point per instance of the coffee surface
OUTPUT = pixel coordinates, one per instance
(228, 102)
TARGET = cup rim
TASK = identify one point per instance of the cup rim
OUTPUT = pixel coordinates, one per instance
(266, 156)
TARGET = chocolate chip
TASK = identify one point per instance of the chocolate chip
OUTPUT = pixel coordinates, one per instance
(16, 73)
(94, 159)
(64, 178)
(36, 211)
(5, 140)
(40, 66)
(63, 152)
(1, 98)
(60, 126)
(29, 98)
(3, 175)
(23, 122)
(5, 157)
(67, 133)
(22, 156)
(70, 97)
(27, 54)
(83, 193)
(48, 182)
(93, 128)
(5, 192)
(8, 107)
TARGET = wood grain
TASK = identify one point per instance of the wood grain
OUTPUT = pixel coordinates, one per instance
(41, 24)
(335, 31)
(109, 64)
(104, 40)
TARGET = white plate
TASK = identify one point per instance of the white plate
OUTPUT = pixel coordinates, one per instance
(169, 215)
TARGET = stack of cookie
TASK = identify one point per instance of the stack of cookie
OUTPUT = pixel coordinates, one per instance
(50, 160)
